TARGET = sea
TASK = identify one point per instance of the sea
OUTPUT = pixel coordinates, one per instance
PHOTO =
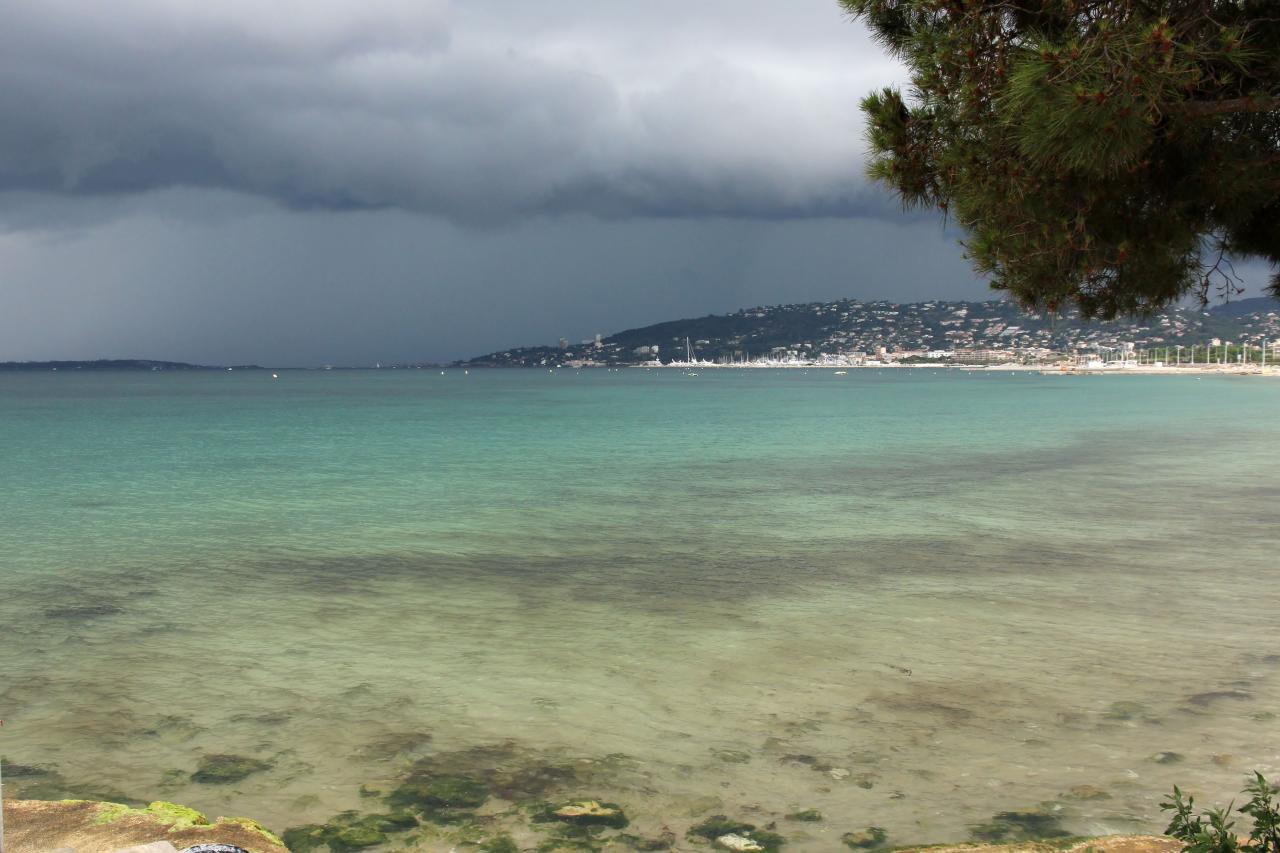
(912, 599)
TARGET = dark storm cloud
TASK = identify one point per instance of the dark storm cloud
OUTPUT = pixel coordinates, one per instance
(473, 111)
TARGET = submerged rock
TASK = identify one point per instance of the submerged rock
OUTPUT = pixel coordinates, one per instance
(446, 792)
(807, 815)
(1167, 757)
(646, 845)
(872, 836)
(718, 825)
(1019, 826)
(503, 843)
(348, 831)
(222, 769)
(1203, 700)
(13, 770)
(82, 611)
(88, 825)
(718, 828)
(588, 813)
(1086, 792)
(1123, 711)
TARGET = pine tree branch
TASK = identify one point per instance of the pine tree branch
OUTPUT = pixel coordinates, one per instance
(1197, 109)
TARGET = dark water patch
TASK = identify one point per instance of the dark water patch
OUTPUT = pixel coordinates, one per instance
(91, 503)
(507, 771)
(51, 785)
(14, 770)
(174, 728)
(393, 745)
(1210, 697)
(82, 612)
(265, 718)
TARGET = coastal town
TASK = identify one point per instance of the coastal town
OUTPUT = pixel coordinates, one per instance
(852, 333)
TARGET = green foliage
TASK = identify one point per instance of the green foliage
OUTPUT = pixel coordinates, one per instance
(1213, 830)
(1106, 153)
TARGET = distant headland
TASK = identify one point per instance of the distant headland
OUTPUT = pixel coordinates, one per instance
(119, 364)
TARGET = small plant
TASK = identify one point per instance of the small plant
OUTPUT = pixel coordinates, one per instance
(1211, 832)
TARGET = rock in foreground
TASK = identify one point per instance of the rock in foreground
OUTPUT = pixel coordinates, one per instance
(32, 826)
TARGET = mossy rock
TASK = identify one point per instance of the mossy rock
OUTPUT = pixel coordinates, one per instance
(755, 841)
(731, 756)
(867, 839)
(1168, 758)
(503, 843)
(350, 838)
(1086, 793)
(1019, 826)
(222, 769)
(444, 792)
(170, 814)
(1123, 711)
(13, 770)
(646, 845)
(585, 813)
(304, 839)
(718, 825)
(180, 817)
(254, 827)
(348, 831)
(806, 816)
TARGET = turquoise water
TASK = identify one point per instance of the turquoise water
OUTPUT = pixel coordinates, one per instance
(910, 599)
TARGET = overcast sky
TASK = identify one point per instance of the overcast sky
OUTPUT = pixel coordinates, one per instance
(348, 181)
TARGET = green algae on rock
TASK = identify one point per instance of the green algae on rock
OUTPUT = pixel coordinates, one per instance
(502, 843)
(1007, 827)
(585, 813)
(735, 835)
(221, 769)
(871, 837)
(348, 831)
(718, 825)
(807, 816)
(1086, 793)
(1125, 711)
(448, 799)
(251, 825)
(170, 814)
(646, 845)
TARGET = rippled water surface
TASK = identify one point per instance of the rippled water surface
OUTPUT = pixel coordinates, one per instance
(907, 599)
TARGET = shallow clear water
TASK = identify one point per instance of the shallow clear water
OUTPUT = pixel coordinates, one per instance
(724, 591)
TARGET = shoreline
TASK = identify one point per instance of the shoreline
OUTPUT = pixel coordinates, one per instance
(90, 826)
(1044, 370)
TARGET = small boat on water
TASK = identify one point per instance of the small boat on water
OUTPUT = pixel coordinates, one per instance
(842, 373)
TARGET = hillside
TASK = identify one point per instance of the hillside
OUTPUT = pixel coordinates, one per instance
(848, 326)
